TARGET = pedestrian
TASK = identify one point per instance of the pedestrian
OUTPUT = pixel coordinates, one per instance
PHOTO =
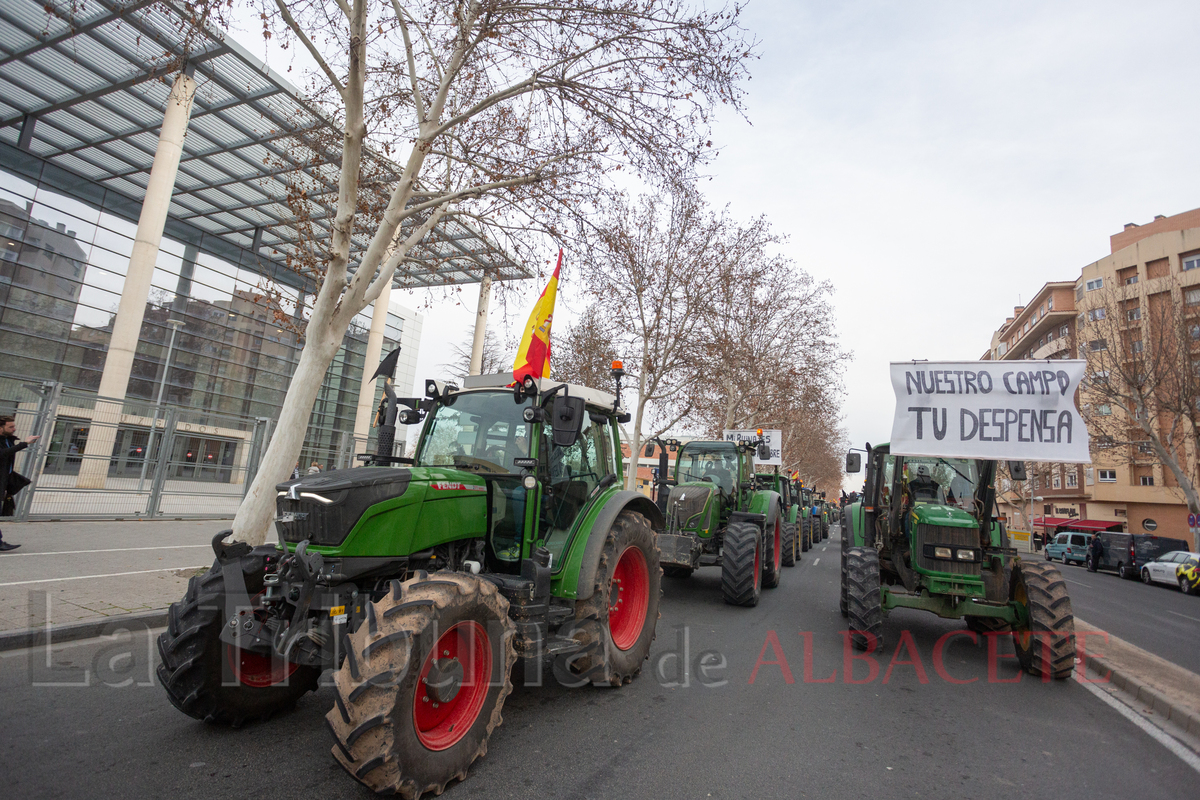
(314, 469)
(10, 479)
(1096, 552)
(296, 472)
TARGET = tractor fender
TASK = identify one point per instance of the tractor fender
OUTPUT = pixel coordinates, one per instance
(767, 504)
(592, 549)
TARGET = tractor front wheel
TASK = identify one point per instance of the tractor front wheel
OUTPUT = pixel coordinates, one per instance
(1045, 644)
(214, 681)
(805, 543)
(616, 624)
(741, 564)
(864, 603)
(773, 563)
(423, 683)
(789, 545)
(843, 603)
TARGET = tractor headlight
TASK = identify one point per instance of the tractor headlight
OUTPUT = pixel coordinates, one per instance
(529, 482)
(942, 552)
(966, 555)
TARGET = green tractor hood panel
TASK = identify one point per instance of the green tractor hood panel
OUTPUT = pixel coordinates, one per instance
(690, 509)
(944, 516)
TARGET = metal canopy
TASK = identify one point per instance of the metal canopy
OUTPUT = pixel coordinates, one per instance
(84, 85)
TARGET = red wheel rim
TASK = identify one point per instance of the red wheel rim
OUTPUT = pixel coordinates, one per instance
(441, 725)
(778, 545)
(257, 670)
(628, 598)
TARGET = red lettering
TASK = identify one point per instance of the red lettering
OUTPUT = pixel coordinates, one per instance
(848, 657)
(780, 659)
(808, 661)
(1082, 654)
(993, 639)
(906, 641)
(938, 664)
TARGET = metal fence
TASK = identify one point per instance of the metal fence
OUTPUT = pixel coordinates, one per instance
(155, 461)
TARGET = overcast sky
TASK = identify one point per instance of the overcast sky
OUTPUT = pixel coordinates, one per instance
(940, 161)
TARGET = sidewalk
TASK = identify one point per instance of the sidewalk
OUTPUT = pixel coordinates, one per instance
(69, 572)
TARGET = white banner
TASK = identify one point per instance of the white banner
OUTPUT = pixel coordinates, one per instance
(1001, 410)
(773, 438)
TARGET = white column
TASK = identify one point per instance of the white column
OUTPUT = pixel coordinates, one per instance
(366, 392)
(481, 313)
(128, 323)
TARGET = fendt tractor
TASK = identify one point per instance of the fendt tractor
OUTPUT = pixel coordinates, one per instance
(715, 515)
(925, 535)
(421, 581)
(774, 482)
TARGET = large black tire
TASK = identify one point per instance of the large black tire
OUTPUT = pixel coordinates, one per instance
(210, 680)
(741, 568)
(805, 540)
(616, 635)
(863, 600)
(824, 529)
(386, 681)
(843, 602)
(1041, 589)
(790, 556)
(673, 571)
(772, 566)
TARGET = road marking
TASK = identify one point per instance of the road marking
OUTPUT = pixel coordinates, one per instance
(1077, 583)
(112, 550)
(1157, 734)
(109, 575)
(1185, 616)
(816, 561)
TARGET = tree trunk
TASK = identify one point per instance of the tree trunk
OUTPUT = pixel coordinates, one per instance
(253, 523)
(635, 439)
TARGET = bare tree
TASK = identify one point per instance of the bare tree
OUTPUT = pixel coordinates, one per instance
(1142, 345)
(514, 114)
(494, 358)
(584, 355)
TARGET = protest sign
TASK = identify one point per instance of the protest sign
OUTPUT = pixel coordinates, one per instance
(773, 438)
(1003, 410)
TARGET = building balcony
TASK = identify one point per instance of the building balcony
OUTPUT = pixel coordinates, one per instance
(1050, 349)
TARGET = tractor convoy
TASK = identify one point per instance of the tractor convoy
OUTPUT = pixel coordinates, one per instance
(419, 583)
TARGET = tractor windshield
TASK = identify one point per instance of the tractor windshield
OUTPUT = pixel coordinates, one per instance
(715, 462)
(943, 481)
(480, 431)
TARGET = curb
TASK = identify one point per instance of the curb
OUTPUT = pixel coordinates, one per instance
(1136, 689)
(105, 626)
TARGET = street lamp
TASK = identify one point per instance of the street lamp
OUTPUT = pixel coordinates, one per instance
(176, 325)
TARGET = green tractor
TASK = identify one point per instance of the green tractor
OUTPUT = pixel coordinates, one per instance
(420, 581)
(923, 535)
(716, 516)
(780, 484)
(811, 530)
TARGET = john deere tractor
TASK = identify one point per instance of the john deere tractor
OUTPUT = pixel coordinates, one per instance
(716, 516)
(924, 535)
(420, 582)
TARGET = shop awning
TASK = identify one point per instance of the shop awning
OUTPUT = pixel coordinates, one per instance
(1050, 522)
(1092, 525)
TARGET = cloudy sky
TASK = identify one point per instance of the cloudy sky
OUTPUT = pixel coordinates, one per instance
(940, 161)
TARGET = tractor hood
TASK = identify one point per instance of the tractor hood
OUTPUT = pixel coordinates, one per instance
(381, 511)
(944, 516)
(690, 508)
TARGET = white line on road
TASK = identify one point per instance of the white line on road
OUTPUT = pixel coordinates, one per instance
(1077, 583)
(1185, 616)
(110, 550)
(816, 561)
(1155, 733)
(109, 575)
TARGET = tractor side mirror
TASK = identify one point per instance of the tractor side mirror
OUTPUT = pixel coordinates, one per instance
(853, 462)
(566, 417)
(1016, 469)
(764, 452)
(649, 451)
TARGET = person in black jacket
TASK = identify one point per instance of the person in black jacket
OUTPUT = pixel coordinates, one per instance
(9, 447)
(1096, 552)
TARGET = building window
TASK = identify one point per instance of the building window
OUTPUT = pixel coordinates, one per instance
(1095, 314)
(1094, 284)
(1037, 482)
(1108, 476)
(1080, 320)
(1147, 480)
(1002, 348)
(1133, 314)
(1132, 279)
(1063, 331)
(1098, 345)
(1194, 331)
(1104, 410)
(1079, 292)
(1192, 297)
(1072, 479)
(1089, 475)
(1050, 304)
(1136, 346)
(1057, 482)
(1191, 262)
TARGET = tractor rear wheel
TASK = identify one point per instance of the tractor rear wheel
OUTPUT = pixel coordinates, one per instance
(863, 600)
(789, 545)
(673, 571)
(214, 681)
(423, 683)
(845, 544)
(1045, 644)
(741, 564)
(616, 625)
(773, 549)
(805, 542)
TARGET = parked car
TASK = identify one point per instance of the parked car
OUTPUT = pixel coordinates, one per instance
(1069, 547)
(1165, 568)
(1188, 574)
(1125, 553)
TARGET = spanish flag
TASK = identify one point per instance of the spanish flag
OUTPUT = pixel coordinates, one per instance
(533, 357)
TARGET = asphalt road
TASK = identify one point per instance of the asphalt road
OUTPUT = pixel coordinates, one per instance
(763, 734)
(1157, 618)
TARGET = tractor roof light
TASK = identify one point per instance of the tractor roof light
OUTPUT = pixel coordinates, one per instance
(618, 369)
